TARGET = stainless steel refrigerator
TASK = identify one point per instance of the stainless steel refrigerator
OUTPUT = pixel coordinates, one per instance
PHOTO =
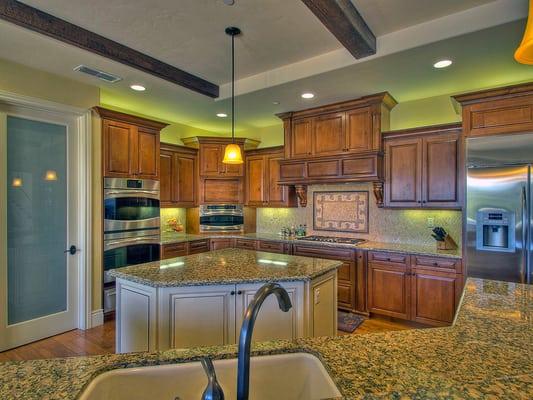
(499, 208)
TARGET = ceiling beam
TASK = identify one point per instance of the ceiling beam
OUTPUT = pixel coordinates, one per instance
(38, 21)
(342, 19)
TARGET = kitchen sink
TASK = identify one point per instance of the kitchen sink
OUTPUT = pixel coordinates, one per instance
(297, 376)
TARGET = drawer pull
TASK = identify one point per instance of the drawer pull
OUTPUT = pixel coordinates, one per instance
(436, 264)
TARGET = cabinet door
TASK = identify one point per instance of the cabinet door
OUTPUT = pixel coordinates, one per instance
(388, 290)
(220, 191)
(166, 178)
(255, 181)
(301, 142)
(434, 296)
(403, 172)
(441, 169)
(210, 159)
(119, 145)
(185, 188)
(328, 134)
(198, 316)
(147, 154)
(231, 169)
(359, 131)
(346, 288)
(271, 322)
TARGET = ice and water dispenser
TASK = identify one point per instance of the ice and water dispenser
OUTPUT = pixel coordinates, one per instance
(495, 230)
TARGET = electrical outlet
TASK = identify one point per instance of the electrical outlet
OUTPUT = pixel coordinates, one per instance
(431, 222)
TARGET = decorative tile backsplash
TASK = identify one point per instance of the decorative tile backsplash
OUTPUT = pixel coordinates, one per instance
(168, 213)
(340, 211)
(384, 225)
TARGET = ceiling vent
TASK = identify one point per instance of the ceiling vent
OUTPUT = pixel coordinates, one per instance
(105, 76)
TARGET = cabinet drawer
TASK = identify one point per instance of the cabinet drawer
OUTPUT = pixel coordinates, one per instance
(174, 250)
(345, 272)
(324, 252)
(219, 244)
(245, 244)
(199, 246)
(385, 257)
(272, 247)
(437, 263)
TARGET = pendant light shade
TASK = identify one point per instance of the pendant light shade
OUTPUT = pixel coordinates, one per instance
(524, 53)
(233, 153)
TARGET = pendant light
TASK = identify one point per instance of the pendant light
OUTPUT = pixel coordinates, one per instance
(232, 153)
(524, 53)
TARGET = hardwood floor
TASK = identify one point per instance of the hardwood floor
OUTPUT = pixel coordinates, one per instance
(101, 340)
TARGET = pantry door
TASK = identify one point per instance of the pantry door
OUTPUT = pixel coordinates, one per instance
(39, 255)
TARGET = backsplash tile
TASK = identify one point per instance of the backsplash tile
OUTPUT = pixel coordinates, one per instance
(385, 225)
(167, 213)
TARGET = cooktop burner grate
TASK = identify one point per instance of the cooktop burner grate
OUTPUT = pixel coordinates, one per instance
(332, 239)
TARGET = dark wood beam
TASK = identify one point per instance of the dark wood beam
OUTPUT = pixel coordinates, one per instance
(344, 21)
(46, 24)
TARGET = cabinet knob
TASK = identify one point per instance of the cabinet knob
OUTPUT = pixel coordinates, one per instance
(232, 292)
(239, 292)
(436, 264)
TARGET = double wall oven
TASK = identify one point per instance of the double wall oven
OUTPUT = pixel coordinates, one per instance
(222, 218)
(131, 227)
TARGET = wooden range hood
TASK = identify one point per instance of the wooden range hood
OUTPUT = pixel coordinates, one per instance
(336, 143)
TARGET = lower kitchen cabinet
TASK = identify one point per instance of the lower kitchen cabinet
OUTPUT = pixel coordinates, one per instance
(219, 244)
(435, 296)
(174, 250)
(199, 246)
(154, 319)
(422, 289)
(388, 290)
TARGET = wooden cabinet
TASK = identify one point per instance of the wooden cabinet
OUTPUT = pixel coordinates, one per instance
(199, 246)
(329, 134)
(504, 110)
(360, 133)
(262, 178)
(418, 288)
(173, 250)
(130, 145)
(221, 191)
(388, 289)
(245, 244)
(423, 167)
(271, 246)
(211, 156)
(179, 173)
(301, 138)
(349, 289)
(219, 244)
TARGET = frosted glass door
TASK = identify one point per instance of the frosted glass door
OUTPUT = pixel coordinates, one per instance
(36, 219)
(38, 223)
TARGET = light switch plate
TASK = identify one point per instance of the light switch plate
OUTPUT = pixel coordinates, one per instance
(431, 222)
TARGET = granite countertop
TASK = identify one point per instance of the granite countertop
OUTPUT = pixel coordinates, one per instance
(486, 354)
(406, 248)
(228, 266)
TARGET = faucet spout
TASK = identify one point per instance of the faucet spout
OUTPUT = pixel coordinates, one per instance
(245, 338)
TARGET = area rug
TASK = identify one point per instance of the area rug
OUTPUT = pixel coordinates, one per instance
(348, 322)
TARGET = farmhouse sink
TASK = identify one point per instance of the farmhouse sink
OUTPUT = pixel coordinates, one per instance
(285, 376)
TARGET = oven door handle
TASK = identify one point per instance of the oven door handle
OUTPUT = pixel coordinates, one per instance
(221, 227)
(110, 245)
(112, 194)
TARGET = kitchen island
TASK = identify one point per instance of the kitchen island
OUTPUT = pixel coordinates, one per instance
(200, 300)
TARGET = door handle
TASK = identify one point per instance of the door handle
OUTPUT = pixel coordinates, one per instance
(72, 250)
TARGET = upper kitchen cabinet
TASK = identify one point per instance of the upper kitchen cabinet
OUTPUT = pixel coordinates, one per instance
(262, 177)
(211, 154)
(179, 176)
(497, 111)
(339, 142)
(349, 127)
(423, 167)
(130, 145)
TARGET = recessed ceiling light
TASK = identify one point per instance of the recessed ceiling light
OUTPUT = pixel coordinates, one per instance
(222, 115)
(229, 2)
(275, 103)
(307, 95)
(138, 88)
(442, 63)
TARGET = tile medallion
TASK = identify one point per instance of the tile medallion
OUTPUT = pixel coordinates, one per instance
(341, 211)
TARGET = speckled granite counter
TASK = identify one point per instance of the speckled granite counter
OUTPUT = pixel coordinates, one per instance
(487, 354)
(173, 237)
(228, 266)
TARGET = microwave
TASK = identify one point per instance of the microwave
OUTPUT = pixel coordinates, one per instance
(221, 218)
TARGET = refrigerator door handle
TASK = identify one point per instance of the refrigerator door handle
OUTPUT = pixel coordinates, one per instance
(525, 241)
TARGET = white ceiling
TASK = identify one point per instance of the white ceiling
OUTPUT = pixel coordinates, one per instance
(189, 34)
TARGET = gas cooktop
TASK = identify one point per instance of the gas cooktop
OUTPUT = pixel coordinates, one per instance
(332, 239)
